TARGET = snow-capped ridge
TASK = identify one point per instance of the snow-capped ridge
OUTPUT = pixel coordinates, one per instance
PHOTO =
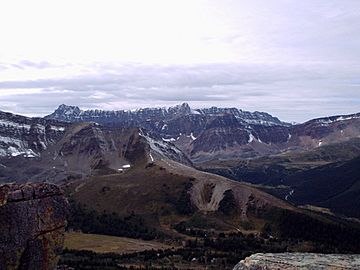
(337, 118)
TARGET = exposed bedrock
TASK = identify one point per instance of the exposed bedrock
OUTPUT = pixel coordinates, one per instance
(297, 261)
(32, 224)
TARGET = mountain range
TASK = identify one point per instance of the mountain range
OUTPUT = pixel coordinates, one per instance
(221, 133)
(250, 147)
(178, 173)
(202, 134)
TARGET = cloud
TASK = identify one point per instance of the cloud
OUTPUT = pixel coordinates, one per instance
(31, 64)
(292, 92)
(295, 59)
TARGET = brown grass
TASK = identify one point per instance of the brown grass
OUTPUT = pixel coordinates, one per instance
(104, 243)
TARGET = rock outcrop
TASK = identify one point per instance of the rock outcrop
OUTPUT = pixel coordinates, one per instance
(295, 261)
(32, 224)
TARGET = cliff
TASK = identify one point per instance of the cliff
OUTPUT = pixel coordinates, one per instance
(32, 224)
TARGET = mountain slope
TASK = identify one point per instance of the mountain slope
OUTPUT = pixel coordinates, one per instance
(167, 193)
(173, 201)
(334, 186)
(273, 170)
(45, 150)
(24, 136)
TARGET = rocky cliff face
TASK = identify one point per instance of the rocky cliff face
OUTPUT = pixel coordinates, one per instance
(297, 261)
(32, 224)
(27, 137)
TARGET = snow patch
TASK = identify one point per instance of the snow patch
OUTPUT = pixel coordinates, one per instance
(61, 129)
(170, 140)
(195, 112)
(251, 137)
(337, 119)
(161, 147)
(7, 123)
(289, 195)
(259, 122)
(15, 147)
(43, 145)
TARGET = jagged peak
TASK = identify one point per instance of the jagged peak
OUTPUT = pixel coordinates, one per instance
(68, 113)
(64, 107)
(183, 108)
(64, 112)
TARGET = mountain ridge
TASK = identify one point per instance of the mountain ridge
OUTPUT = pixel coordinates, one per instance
(224, 133)
(70, 113)
(202, 134)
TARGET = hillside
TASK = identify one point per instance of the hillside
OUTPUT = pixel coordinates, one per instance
(274, 169)
(166, 193)
(334, 186)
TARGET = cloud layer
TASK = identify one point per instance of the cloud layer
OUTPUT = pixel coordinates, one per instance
(293, 93)
(294, 59)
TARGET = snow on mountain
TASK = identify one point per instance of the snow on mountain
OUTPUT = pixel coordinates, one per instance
(27, 137)
(164, 149)
(228, 131)
(75, 114)
(332, 119)
(199, 133)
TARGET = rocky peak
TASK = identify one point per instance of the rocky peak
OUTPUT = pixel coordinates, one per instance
(65, 113)
(32, 224)
(182, 109)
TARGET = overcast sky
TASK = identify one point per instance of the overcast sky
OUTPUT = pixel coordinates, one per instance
(294, 59)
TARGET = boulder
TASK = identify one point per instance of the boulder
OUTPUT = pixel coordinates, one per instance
(297, 261)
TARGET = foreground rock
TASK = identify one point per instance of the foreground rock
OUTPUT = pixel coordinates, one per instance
(294, 261)
(32, 224)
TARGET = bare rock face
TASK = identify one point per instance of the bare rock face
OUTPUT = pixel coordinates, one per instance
(32, 224)
(297, 261)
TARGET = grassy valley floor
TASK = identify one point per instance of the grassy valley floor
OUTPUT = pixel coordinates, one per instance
(109, 244)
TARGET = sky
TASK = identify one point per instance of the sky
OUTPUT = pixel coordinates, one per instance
(294, 59)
